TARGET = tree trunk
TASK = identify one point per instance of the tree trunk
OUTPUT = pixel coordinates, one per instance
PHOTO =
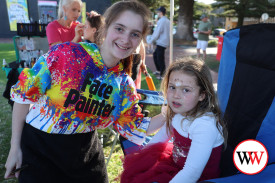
(241, 12)
(240, 20)
(185, 20)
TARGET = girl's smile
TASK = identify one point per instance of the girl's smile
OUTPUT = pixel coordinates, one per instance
(122, 38)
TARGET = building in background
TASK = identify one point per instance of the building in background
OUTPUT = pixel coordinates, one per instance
(36, 10)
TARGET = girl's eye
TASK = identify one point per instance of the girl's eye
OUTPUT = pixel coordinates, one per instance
(171, 87)
(135, 35)
(186, 90)
(119, 29)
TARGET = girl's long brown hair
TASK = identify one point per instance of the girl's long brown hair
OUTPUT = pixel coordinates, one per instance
(113, 12)
(199, 69)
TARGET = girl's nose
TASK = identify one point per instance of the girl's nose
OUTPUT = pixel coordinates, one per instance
(125, 37)
(177, 94)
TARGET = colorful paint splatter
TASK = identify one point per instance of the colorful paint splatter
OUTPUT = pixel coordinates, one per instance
(74, 92)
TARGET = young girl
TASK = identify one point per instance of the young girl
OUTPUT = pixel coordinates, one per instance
(93, 24)
(193, 123)
(75, 89)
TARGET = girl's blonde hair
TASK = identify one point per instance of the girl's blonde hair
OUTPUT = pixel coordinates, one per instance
(113, 12)
(65, 3)
(199, 69)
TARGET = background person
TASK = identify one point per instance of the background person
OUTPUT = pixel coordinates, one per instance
(150, 46)
(93, 25)
(204, 28)
(162, 39)
(139, 66)
(64, 29)
(76, 88)
(193, 120)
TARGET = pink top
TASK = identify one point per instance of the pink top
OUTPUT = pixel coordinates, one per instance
(56, 32)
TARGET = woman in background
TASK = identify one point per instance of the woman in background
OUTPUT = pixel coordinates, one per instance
(66, 28)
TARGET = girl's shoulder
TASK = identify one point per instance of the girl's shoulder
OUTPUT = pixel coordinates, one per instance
(208, 117)
(205, 121)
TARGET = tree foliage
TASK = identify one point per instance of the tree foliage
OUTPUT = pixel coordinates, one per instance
(245, 8)
(200, 8)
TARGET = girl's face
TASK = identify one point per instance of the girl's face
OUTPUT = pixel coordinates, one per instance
(89, 32)
(183, 92)
(73, 11)
(122, 37)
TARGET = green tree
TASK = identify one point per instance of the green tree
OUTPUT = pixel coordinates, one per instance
(200, 8)
(245, 8)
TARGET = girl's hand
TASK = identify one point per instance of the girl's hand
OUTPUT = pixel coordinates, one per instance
(14, 161)
(143, 68)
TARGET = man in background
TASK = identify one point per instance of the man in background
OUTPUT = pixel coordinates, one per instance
(161, 36)
(203, 35)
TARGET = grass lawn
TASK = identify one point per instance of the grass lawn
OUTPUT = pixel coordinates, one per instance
(6, 52)
(115, 165)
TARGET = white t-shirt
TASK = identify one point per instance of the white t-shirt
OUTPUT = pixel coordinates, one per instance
(204, 135)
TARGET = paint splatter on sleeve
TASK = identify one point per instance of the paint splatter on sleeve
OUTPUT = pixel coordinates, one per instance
(131, 124)
(32, 84)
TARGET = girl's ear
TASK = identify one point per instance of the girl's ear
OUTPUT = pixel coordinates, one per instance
(94, 30)
(202, 96)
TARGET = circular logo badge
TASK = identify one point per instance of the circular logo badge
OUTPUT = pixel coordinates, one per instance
(250, 157)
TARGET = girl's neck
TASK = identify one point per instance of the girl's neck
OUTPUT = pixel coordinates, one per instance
(108, 60)
(92, 40)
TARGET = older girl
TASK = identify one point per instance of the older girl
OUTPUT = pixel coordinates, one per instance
(75, 89)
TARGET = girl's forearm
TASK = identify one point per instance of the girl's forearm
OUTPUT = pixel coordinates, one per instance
(156, 123)
(19, 114)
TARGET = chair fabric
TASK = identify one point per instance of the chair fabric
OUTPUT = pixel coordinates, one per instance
(246, 90)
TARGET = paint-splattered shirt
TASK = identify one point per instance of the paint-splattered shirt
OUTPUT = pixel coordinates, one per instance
(74, 92)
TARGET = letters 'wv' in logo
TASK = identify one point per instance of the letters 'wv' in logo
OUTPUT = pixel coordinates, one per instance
(250, 157)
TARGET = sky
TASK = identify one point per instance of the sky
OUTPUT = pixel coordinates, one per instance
(206, 1)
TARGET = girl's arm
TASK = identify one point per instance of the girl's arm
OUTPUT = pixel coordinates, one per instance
(156, 123)
(161, 136)
(203, 135)
(15, 155)
(142, 53)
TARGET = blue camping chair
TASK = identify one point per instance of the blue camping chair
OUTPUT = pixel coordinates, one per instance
(246, 90)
